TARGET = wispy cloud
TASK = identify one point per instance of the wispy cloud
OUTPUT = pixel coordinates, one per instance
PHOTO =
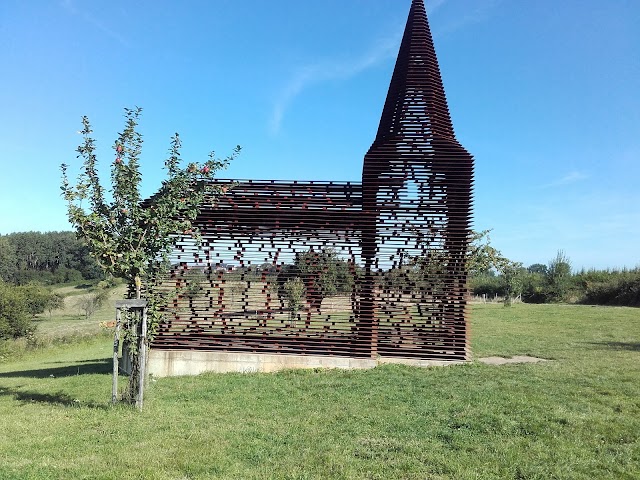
(568, 179)
(475, 12)
(329, 70)
(383, 50)
(70, 7)
(433, 5)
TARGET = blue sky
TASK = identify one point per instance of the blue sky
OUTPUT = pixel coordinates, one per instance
(544, 94)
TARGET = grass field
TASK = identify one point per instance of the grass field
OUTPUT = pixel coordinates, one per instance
(70, 320)
(576, 417)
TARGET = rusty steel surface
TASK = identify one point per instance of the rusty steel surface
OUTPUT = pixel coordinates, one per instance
(376, 268)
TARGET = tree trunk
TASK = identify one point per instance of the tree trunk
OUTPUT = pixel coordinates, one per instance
(135, 383)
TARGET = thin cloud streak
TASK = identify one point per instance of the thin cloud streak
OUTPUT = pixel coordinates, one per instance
(342, 70)
(476, 13)
(88, 18)
(568, 179)
(434, 5)
(330, 70)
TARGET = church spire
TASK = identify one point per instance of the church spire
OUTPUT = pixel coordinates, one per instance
(416, 100)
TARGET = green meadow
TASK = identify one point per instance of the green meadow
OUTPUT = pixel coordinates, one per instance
(576, 416)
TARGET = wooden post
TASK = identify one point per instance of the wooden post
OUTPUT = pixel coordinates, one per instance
(116, 347)
(143, 358)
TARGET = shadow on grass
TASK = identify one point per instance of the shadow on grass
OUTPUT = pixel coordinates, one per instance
(59, 398)
(45, 318)
(90, 360)
(78, 368)
(631, 346)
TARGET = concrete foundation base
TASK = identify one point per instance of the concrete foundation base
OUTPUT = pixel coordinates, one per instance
(168, 363)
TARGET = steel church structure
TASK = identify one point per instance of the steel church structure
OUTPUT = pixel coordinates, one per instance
(330, 273)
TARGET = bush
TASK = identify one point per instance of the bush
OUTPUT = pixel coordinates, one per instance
(56, 302)
(88, 304)
(15, 319)
(41, 277)
(621, 288)
(67, 275)
(535, 289)
(294, 289)
(489, 285)
(37, 298)
(559, 277)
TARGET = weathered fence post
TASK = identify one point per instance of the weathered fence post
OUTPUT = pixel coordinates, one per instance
(116, 348)
(142, 351)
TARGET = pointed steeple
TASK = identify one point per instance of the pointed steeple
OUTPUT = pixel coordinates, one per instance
(416, 194)
(416, 101)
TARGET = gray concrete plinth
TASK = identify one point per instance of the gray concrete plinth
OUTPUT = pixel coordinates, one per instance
(169, 363)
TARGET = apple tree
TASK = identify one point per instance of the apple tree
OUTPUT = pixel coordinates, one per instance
(129, 236)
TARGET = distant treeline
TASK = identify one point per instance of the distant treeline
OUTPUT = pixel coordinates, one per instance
(47, 258)
(556, 283)
(59, 257)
